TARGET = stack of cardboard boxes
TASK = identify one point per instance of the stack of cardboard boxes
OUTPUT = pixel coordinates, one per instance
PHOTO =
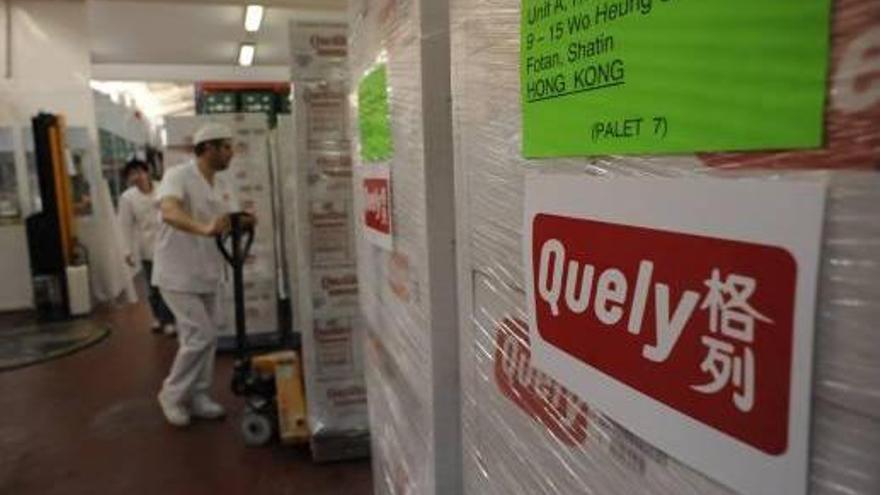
(321, 244)
(404, 209)
(525, 433)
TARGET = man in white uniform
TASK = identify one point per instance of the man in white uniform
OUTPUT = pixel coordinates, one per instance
(139, 220)
(194, 204)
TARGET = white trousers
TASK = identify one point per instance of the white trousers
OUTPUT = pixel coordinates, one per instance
(193, 368)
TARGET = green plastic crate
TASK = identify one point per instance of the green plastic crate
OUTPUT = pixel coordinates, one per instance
(220, 102)
(258, 101)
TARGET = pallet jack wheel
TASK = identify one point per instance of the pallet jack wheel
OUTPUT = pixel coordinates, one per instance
(256, 429)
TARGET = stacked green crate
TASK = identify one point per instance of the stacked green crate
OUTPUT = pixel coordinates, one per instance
(259, 102)
(120, 149)
(284, 104)
(219, 102)
(266, 101)
(105, 140)
(120, 155)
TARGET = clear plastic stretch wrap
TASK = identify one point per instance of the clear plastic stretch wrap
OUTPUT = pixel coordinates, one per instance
(520, 441)
(320, 244)
(408, 302)
(250, 172)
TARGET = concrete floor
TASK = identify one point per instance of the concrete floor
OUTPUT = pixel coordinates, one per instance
(88, 423)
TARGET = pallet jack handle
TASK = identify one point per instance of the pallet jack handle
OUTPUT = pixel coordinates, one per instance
(241, 233)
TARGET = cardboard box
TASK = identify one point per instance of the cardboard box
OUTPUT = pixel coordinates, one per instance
(514, 442)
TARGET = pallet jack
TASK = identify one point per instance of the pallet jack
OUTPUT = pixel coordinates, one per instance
(270, 384)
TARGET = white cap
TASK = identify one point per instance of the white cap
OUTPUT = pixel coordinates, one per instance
(210, 132)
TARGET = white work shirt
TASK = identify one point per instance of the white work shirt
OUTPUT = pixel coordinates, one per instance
(187, 262)
(139, 220)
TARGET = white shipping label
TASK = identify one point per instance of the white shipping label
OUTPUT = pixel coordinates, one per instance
(684, 309)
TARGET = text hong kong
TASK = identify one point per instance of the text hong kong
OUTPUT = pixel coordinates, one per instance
(700, 324)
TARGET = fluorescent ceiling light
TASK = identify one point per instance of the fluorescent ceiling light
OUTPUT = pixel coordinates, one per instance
(246, 54)
(253, 17)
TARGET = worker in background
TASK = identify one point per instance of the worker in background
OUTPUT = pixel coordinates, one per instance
(194, 203)
(139, 221)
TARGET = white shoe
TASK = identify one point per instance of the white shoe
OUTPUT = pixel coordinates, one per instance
(205, 408)
(169, 329)
(175, 414)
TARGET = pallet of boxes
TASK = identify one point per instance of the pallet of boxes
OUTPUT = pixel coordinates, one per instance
(402, 152)
(669, 267)
(321, 245)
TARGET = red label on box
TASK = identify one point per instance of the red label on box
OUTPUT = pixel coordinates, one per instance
(539, 395)
(700, 324)
(377, 213)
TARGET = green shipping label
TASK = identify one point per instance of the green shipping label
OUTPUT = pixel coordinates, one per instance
(663, 76)
(374, 119)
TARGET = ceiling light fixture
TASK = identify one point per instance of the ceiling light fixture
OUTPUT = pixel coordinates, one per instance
(246, 54)
(253, 17)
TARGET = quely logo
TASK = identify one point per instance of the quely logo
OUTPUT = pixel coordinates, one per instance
(329, 218)
(342, 284)
(376, 212)
(333, 46)
(545, 400)
(703, 325)
(400, 276)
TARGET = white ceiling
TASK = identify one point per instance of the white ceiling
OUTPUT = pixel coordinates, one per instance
(154, 99)
(196, 32)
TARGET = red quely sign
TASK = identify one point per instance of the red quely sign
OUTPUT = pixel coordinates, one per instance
(540, 396)
(376, 200)
(377, 215)
(684, 309)
(690, 309)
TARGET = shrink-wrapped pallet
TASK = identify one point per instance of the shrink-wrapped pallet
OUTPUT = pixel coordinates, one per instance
(407, 280)
(320, 243)
(520, 440)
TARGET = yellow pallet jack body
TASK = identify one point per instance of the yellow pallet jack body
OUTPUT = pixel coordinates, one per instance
(270, 384)
(286, 367)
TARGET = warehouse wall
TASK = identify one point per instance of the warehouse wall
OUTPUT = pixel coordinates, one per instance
(45, 61)
(45, 66)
